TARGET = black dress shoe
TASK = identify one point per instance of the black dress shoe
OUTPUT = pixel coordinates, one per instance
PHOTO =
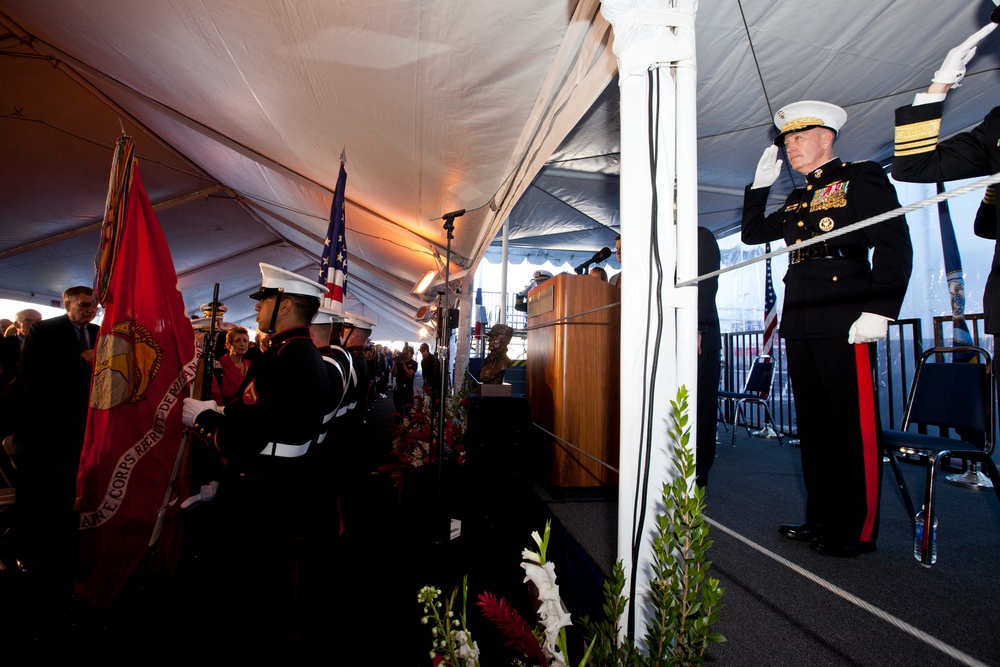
(805, 532)
(841, 548)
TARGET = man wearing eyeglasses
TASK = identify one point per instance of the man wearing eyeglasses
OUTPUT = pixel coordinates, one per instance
(56, 369)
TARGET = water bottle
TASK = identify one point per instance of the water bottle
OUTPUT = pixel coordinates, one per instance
(918, 537)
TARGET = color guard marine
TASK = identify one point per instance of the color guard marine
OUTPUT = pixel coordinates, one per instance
(269, 435)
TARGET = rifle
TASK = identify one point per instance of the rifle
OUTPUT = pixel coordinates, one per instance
(167, 554)
(201, 388)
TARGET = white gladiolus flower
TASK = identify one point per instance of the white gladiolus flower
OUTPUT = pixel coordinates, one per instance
(467, 650)
(551, 611)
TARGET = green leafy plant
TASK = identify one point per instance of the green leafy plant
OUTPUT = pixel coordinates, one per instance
(605, 631)
(686, 602)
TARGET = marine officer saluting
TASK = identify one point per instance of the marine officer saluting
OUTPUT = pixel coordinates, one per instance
(836, 306)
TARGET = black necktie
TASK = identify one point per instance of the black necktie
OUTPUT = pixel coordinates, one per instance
(84, 343)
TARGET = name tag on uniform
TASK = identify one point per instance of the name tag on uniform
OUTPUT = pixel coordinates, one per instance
(832, 196)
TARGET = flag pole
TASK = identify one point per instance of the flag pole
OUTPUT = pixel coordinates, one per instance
(972, 478)
(167, 557)
(770, 329)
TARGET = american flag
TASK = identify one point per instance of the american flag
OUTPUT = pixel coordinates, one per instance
(770, 307)
(333, 270)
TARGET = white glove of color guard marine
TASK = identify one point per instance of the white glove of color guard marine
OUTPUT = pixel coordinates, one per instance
(868, 328)
(768, 169)
(953, 68)
(206, 494)
(194, 407)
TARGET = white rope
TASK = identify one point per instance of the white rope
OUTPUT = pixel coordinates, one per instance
(823, 238)
(567, 318)
(928, 639)
(570, 445)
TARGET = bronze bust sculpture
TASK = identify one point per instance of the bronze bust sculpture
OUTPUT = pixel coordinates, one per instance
(496, 362)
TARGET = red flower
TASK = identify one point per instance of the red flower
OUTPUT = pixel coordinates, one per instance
(512, 626)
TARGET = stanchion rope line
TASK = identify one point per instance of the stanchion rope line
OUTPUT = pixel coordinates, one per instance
(575, 448)
(823, 238)
(573, 316)
(930, 640)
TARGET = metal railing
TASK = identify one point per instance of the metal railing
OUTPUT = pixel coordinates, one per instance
(494, 303)
(896, 359)
(739, 349)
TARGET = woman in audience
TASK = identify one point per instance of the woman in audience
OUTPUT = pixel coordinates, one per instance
(234, 366)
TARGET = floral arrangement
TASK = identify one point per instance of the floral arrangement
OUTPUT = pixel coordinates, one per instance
(413, 437)
(452, 644)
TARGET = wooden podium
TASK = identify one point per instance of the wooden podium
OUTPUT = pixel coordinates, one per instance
(574, 335)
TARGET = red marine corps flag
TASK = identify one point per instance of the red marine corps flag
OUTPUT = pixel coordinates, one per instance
(144, 359)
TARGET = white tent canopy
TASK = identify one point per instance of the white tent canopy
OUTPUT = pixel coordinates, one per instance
(240, 111)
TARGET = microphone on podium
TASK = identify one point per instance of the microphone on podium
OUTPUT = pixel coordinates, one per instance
(599, 256)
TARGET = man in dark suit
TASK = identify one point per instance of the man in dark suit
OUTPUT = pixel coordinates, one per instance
(837, 305)
(921, 158)
(10, 354)
(430, 369)
(616, 279)
(709, 345)
(56, 369)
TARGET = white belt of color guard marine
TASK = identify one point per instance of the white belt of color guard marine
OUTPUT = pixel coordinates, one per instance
(285, 451)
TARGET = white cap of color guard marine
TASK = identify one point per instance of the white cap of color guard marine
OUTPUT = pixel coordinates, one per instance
(358, 321)
(327, 316)
(275, 280)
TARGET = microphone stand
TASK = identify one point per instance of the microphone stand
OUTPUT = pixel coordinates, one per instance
(443, 530)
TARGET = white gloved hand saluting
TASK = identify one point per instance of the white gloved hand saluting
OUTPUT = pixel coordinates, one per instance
(868, 328)
(194, 407)
(768, 169)
(953, 68)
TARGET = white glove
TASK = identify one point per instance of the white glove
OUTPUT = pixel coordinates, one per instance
(868, 328)
(206, 494)
(194, 407)
(768, 169)
(953, 68)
